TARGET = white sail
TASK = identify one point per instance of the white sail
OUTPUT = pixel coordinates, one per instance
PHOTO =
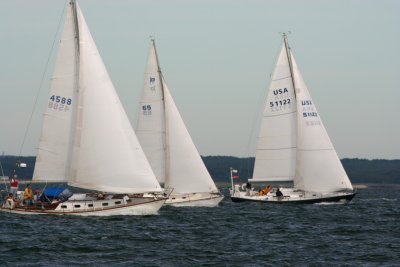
(150, 128)
(187, 172)
(53, 158)
(318, 167)
(107, 155)
(276, 147)
(165, 139)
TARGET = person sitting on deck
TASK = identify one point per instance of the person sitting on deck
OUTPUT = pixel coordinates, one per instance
(28, 195)
(278, 193)
(9, 201)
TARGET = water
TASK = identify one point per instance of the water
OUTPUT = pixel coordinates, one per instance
(363, 233)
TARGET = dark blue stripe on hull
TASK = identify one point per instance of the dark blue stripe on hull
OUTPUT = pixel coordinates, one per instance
(305, 201)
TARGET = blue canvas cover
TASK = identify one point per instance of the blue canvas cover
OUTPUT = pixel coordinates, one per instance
(53, 192)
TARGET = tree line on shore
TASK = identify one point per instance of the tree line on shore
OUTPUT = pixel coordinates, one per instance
(379, 171)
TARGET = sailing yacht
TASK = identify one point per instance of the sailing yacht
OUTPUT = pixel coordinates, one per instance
(293, 145)
(168, 145)
(87, 140)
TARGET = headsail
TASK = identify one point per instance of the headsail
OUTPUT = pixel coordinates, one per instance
(187, 172)
(54, 152)
(318, 167)
(107, 155)
(276, 147)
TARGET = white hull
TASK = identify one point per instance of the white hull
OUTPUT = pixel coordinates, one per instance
(194, 200)
(87, 207)
(291, 195)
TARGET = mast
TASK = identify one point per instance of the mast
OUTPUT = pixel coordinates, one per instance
(75, 122)
(165, 139)
(289, 57)
(76, 24)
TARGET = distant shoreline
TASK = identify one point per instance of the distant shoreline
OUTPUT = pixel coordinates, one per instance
(225, 184)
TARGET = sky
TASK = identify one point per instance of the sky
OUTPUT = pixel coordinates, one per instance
(217, 57)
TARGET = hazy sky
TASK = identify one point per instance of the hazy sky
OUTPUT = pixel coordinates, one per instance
(217, 56)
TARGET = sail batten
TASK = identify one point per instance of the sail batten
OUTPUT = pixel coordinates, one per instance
(281, 148)
(277, 115)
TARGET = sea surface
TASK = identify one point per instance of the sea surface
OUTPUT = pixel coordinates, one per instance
(365, 232)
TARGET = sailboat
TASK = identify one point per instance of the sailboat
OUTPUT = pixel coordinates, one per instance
(168, 145)
(293, 145)
(87, 140)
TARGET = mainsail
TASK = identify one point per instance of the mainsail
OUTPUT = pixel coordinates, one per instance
(54, 151)
(276, 147)
(150, 128)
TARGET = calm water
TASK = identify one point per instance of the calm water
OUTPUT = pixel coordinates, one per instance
(365, 232)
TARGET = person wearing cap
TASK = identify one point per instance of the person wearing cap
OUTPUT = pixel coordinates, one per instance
(14, 186)
(28, 195)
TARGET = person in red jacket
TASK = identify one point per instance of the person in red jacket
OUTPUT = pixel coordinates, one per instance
(14, 186)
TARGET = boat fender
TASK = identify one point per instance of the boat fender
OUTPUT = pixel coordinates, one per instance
(237, 188)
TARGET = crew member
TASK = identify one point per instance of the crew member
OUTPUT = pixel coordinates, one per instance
(278, 193)
(14, 186)
(28, 195)
(248, 188)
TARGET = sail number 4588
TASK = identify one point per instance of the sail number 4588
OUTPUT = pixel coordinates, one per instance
(59, 102)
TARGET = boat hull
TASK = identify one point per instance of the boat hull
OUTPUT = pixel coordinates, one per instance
(194, 200)
(290, 195)
(140, 206)
(340, 197)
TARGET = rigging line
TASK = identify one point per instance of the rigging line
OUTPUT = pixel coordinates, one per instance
(41, 82)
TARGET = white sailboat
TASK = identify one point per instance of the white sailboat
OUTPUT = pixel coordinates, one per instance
(87, 140)
(293, 145)
(168, 145)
